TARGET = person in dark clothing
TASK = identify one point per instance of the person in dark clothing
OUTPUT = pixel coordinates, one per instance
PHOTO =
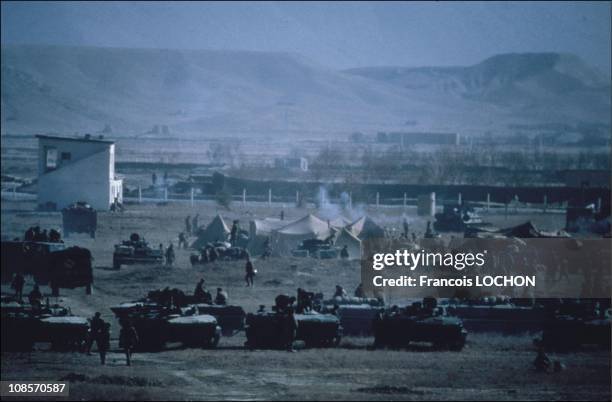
(96, 326)
(222, 297)
(128, 340)
(234, 232)
(406, 228)
(170, 255)
(188, 224)
(35, 296)
(194, 224)
(267, 249)
(182, 240)
(103, 342)
(250, 272)
(17, 285)
(344, 254)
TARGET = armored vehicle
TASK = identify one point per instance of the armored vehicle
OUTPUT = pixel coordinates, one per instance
(491, 316)
(48, 263)
(424, 322)
(157, 325)
(316, 248)
(457, 218)
(576, 323)
(79, 217)
(223, 252)
(287, 323)
(136, 251)
(24, 324)
(230, 318)
(356, 313)
(269, 329)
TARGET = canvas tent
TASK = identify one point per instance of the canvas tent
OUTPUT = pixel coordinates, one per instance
(366, 228)
(352, 243)
(216, 230)
(289, 237)
(339, 222)
(260, 230)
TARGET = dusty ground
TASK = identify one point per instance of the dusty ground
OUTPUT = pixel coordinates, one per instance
(490, 367)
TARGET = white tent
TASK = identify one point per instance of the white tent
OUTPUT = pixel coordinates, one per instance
(262, 229)
(366, 228)
(289, 237)
(352, 243)
(216, 230)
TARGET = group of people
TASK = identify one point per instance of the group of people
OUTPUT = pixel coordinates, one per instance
(202, 295)
(34, 233)
(191, 225)
(34, 297)
(99, 333)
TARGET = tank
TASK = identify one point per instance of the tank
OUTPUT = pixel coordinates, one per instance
(136, 251)
(23, 325)
(49, 264)
(456, 218)
(398, 328)
(266, 330)
(80, 217)
(158, 325)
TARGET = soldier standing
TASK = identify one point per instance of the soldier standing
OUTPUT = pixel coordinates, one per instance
(188, 224)
(17, 285)
(128, 339)
(170, 255)
(250, 272)
(542, 361)
(406, 228)
(194, 224)
(199, 292)
(359, 291)
(234, 232)
(103, 342)
(95, 329)
(182, 240)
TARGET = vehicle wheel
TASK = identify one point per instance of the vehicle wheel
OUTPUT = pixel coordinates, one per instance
(456, 346)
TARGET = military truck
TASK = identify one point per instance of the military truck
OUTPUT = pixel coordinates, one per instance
(79, 217)
(457, 218)
(420, 322)
(136, 251)
(48, 263)
(24, 324)
(157, 325)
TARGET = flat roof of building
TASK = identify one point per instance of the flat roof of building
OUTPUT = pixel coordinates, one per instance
(79, 139)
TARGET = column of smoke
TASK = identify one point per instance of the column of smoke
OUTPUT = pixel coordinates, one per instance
(342, 209)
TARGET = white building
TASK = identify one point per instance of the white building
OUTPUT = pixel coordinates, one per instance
(77, 169)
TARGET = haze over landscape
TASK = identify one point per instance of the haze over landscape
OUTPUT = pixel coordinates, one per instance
(295, 75)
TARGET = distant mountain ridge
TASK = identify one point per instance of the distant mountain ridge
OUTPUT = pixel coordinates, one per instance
(67, 89)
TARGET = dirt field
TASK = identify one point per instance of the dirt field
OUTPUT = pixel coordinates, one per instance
(491, 367)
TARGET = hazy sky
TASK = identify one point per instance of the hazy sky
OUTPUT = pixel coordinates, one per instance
(338, 35)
